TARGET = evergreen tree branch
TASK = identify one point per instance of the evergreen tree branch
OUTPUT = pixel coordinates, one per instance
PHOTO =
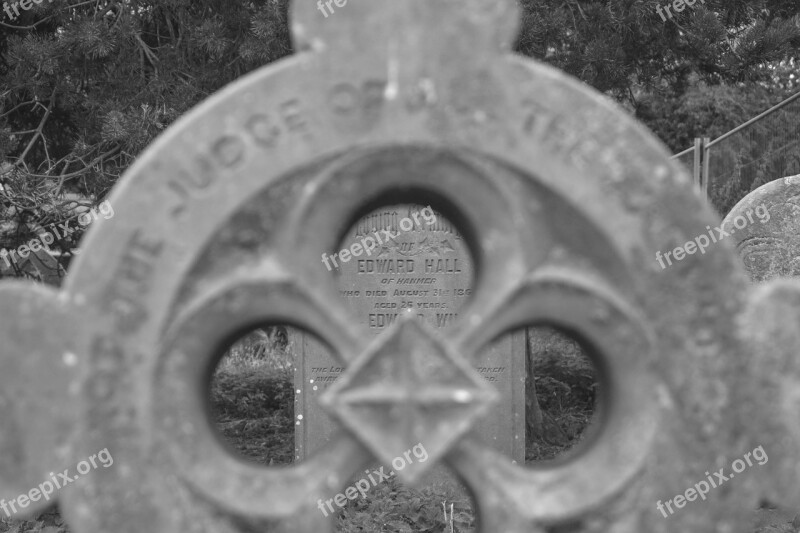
(40, 128)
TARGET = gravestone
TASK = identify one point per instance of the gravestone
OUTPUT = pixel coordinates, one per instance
(39, 265)
(421, 265)
(770, 248)
(766, 227)
(567, 199)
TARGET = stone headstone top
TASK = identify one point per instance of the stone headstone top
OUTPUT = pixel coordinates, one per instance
(421, 267)
(766, 227)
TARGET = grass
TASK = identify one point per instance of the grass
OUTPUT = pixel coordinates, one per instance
(392, 507)
(253, 410)
(49, 521)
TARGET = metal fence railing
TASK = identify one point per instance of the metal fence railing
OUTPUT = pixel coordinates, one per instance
(761, 150)
(686, 157)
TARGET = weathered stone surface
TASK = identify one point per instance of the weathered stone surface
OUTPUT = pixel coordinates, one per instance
(765, 226)
(563, 201)
(770, 329)
(770, 250)
(39, 390)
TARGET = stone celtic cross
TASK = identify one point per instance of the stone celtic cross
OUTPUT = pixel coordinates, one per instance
(563, 200)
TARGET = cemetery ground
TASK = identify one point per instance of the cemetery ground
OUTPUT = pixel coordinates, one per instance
(252, 397)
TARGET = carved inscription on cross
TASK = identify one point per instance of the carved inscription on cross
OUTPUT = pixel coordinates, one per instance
(561, 198)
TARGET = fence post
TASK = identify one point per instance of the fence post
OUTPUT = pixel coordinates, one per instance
(698, 160)
(706, 150)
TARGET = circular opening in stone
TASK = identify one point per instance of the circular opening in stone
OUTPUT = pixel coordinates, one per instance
(252, 395)
(404, 258)
(563, 397)
(549, 395)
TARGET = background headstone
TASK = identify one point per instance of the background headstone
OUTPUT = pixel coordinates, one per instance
(766, 227)
(426, 270)
(770, 248)
(39, 266)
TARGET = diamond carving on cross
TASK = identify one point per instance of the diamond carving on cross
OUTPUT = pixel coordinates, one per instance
(409, 386)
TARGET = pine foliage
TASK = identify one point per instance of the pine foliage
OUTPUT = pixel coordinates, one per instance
(86, 86)
(625, 49)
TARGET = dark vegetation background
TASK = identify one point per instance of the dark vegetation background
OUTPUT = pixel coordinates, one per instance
(85, 86)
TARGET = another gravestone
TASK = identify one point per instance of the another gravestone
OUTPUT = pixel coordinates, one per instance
(419, 265)
(40, 266)
(766, 227)
(770, 248)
